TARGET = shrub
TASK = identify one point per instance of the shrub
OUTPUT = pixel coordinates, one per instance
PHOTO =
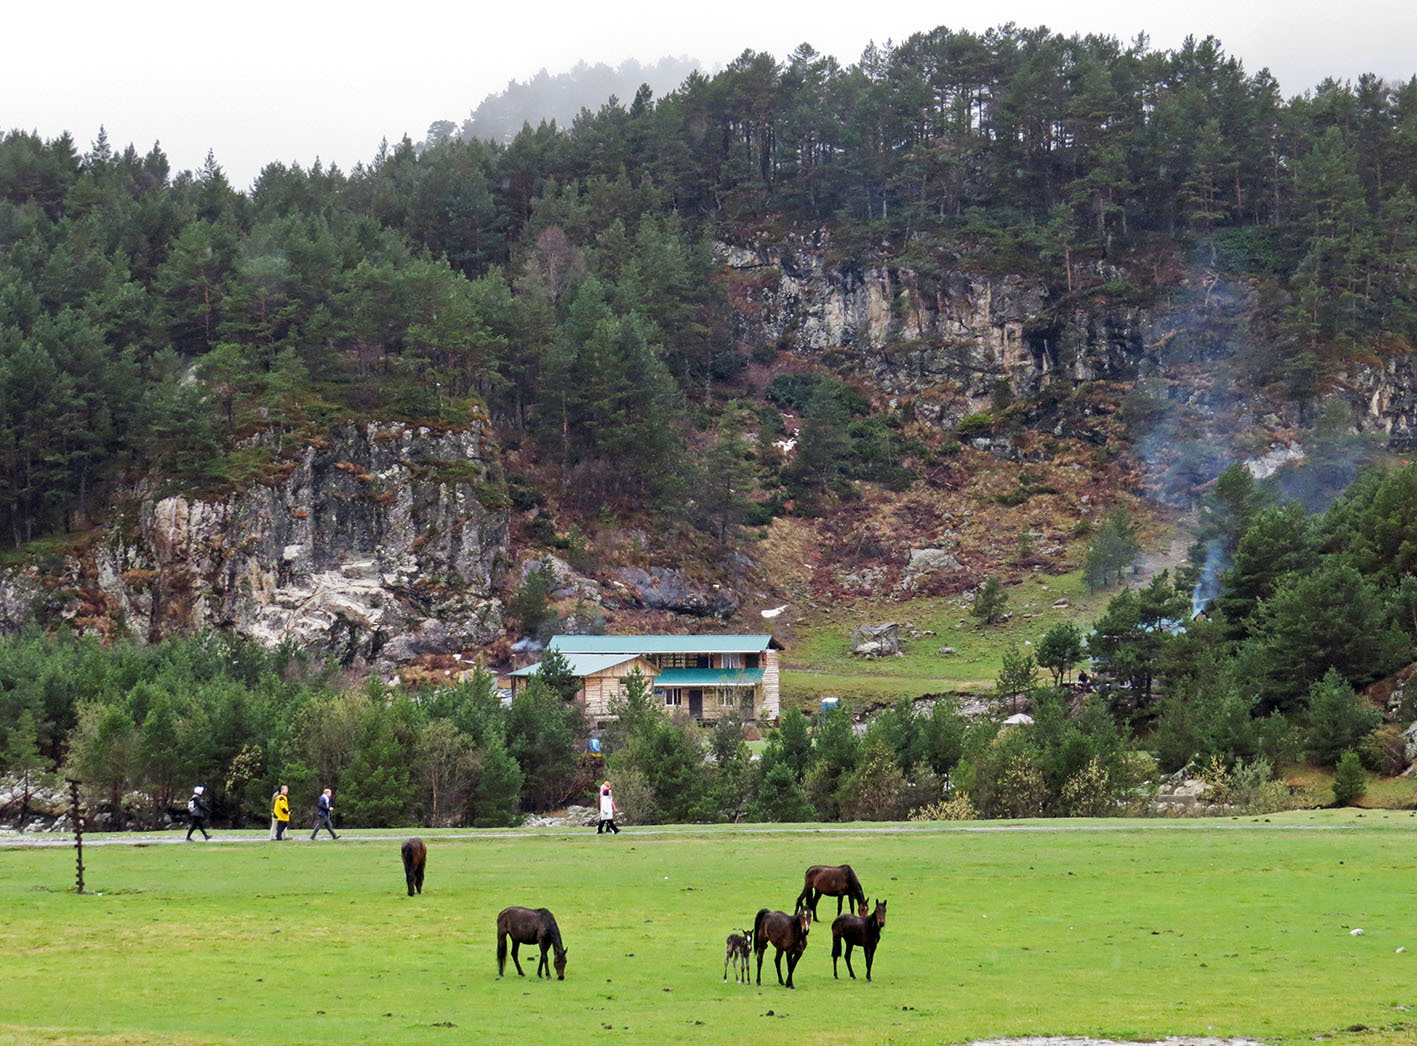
(1349, 780)
(1384, 752)
(956, 808)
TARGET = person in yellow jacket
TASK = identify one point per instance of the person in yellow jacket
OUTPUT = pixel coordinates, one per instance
(280, 812)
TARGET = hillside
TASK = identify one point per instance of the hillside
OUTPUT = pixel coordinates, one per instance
(846, 338)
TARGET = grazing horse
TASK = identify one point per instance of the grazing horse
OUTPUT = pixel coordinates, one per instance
(736, 952)
(864, 930)
(831, 880)
(530, 926)
(787, 933)
(415, 859)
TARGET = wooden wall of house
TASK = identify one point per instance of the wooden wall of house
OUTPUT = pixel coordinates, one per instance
(770, 706)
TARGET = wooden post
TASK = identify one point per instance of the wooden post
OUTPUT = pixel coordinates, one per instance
(77, 813)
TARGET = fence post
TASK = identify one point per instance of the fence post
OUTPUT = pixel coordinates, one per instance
(77, 813)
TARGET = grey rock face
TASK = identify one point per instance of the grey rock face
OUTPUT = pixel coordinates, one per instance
(372, 546)
(661, 588)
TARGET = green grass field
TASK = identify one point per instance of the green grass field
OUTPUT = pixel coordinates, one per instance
(1117, 928)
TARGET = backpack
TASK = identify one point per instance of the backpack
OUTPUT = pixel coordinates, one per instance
(192, 806)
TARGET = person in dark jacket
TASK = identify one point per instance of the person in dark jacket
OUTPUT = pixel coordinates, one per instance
(197, 813)
(323, 809)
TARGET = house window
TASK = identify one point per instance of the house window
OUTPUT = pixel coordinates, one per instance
(673, 696)
(676, 660)
(732, 661)
(727, 697)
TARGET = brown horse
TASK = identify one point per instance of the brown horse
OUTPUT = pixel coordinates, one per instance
(787, 933)
(415, 859)
(831, 880)
(530, 926)
(863, 930)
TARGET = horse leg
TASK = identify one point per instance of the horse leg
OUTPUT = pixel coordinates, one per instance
(516, 961)
(543, 964)
(839, 898)
(870, 950)
(418, 878)
(777, 961)
(792, 958)
(848, 961)
(760, 965)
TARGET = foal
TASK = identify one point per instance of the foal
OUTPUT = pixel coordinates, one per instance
(864, 930)
(736, 952)
(787, 933)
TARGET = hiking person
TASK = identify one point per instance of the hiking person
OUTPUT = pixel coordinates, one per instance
(607, 811)
(280, 812)
(323, 811)
(197, 813)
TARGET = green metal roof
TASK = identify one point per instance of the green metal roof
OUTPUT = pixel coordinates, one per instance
(709, 677)
(583, 664)
(660, 644)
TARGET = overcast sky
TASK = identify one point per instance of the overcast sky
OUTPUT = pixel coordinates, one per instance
(296, 79)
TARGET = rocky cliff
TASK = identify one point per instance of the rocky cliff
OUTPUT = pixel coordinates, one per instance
(378, 543)
(947, 339)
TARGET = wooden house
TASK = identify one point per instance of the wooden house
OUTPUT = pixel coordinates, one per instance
(706, 677)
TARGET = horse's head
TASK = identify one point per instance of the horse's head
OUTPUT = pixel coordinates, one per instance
(863, 908)
(879, 915)
(560, 963)
(804, 920)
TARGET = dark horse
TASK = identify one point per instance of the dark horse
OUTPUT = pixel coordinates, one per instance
(415, 859)
(530, 926)
(863, 930)
(787, 933)
(831, 880)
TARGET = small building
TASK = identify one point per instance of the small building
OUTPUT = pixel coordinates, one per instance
(707, 677)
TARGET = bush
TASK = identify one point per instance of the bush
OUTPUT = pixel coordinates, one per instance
(1349, 780)
(1384, 752)
(956, 808)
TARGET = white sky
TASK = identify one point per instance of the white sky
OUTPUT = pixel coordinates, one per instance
(296, 79)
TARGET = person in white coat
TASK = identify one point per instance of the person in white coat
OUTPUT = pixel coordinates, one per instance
(607, 811)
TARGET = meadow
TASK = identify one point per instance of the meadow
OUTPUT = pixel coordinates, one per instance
(1112, 928)
(819, 661)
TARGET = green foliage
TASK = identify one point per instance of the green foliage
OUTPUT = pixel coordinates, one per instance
(1349, 780)
(991, 602)
(877, 789)
(1112, 551)
(780, 796)
(544, 734)
(1339, 720)
(1059, 650)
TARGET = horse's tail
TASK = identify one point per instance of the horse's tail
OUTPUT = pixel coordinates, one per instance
(501, 948)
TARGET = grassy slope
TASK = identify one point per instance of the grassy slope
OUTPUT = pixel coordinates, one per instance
(819, 662)
(1226, 928)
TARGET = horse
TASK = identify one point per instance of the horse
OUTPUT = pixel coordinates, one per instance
(530, 926)
(837, 881)
(415, 859)
(736, 952)
(864, 930)
(787, 933)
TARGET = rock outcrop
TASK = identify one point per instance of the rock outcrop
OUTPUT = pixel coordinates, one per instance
(381, 543)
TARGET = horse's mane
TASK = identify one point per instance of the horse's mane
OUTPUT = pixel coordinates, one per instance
(853, 883)
(548, 923)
